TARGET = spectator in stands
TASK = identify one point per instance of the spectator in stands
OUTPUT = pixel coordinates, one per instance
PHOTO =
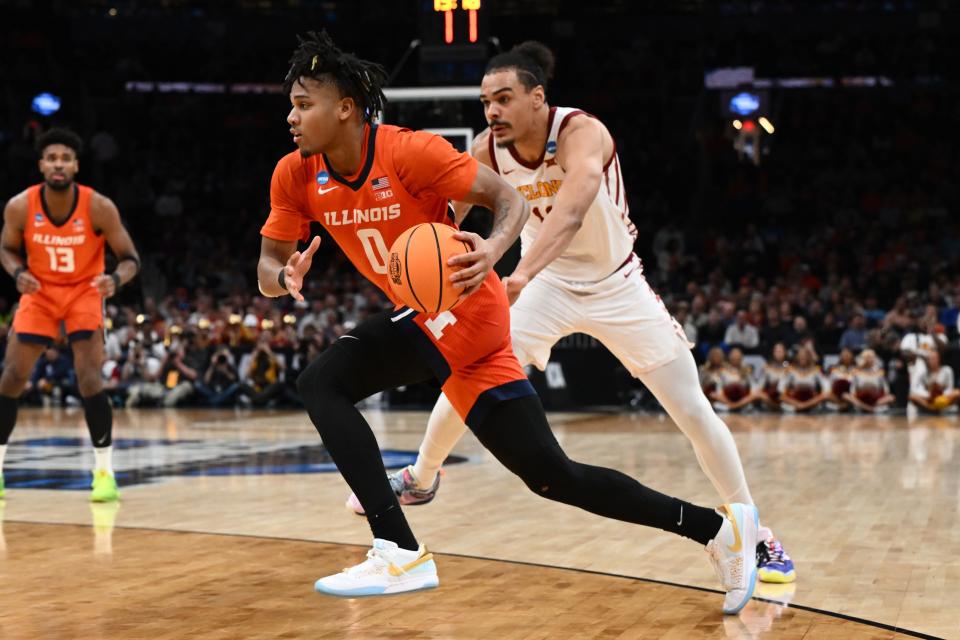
(774, 371)
(734, 390)
(934, 389)
(263, 376)
(712, 331)
(804, 387)
(140, 376)
(869, 390)
(855, 336)
(220, 384)
(54, 381)
(774, 330)
(711, 373)
(840, 378)
(741, 333)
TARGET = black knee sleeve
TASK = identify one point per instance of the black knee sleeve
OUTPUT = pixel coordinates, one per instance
(8, 417)
(99, 415)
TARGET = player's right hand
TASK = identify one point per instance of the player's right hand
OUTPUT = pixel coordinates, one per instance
(27, 283)
(297, 266)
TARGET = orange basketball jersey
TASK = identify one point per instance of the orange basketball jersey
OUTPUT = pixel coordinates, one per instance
(406, 177)
(67, 253)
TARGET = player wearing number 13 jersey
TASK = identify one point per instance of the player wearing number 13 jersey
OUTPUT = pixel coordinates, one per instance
(366, 184)
(63, 227)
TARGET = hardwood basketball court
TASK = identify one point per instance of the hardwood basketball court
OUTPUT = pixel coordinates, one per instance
(227, 518)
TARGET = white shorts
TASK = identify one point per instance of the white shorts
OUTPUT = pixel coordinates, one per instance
(621, 311)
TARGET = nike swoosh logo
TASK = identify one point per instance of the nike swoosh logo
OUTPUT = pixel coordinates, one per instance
(104, 439)
(737, 542)
(510, 171)
(322, 191)
(680, 521)
(396, 571)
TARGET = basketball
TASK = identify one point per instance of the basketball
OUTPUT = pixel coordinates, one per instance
(419, 275)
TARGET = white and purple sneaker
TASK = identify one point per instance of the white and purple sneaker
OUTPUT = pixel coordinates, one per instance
(405, 486)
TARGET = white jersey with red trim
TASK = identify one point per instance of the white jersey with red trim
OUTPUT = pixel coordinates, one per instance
(605, 241)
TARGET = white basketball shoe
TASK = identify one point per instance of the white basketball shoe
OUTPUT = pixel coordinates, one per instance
(387, 569)
(733, 554)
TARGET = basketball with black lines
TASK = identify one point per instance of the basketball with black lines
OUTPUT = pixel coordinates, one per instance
(418, 272)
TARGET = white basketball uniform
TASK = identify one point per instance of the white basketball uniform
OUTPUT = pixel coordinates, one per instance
(596, 286)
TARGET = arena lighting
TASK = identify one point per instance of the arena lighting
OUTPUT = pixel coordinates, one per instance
(45, 104)
(749, 125)
(745, 103)
(737, 124)
(766, 124)
(141, 318)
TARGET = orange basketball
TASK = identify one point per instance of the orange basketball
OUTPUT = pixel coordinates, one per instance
(419, 275)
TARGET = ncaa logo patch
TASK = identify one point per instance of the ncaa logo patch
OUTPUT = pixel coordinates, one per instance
(551, 146)
(37, 219)
(323, 178)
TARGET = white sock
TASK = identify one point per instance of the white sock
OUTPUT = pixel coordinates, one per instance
(444, 429)
(677, 387)
(104, 458)
(3, 454)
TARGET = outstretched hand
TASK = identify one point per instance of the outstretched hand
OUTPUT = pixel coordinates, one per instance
(297, 266)
(514, 284)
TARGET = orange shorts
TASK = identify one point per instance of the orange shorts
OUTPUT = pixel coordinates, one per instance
(469, 350)
(78, 306)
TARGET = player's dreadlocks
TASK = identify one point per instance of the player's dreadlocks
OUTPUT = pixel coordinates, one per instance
(319, 58)
(532, 60)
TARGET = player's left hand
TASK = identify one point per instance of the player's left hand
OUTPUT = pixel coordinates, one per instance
(104, 285)
(297, 266)
(514, 284)
(476, 264)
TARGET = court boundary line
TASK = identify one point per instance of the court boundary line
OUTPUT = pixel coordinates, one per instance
(809, 609)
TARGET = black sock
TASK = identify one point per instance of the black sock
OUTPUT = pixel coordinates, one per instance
(391, 525)
(99, 415)
(697, 523)
(8, 417)
(516, 432)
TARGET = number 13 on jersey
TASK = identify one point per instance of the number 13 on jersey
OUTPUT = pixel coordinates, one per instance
(61, 259)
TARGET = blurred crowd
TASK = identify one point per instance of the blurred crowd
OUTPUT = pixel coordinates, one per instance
(837, 248)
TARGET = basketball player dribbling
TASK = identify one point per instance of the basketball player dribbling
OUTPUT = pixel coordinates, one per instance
(578, 273)
(63, 227)
(367, 183)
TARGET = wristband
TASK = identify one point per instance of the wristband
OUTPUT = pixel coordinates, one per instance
(282, 279)
(18, 271)
(116, 281)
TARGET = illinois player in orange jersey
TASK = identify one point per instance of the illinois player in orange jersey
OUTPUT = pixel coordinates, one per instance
(367, 183)
(62, 228)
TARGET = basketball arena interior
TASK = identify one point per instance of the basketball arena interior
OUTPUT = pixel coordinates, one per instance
(783, 173)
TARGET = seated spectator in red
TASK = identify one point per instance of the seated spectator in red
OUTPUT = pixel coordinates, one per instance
(734, 390)
(774, 371)
(869, 390)
(840, 377)
(804, 387)
(710, 373)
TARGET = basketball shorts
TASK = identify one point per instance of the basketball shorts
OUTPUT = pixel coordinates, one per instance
(79, 307)
(469, 350)
(621, 311)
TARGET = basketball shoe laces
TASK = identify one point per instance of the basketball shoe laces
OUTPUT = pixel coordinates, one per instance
(376, 562)
(729, 570)
(772, 551)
